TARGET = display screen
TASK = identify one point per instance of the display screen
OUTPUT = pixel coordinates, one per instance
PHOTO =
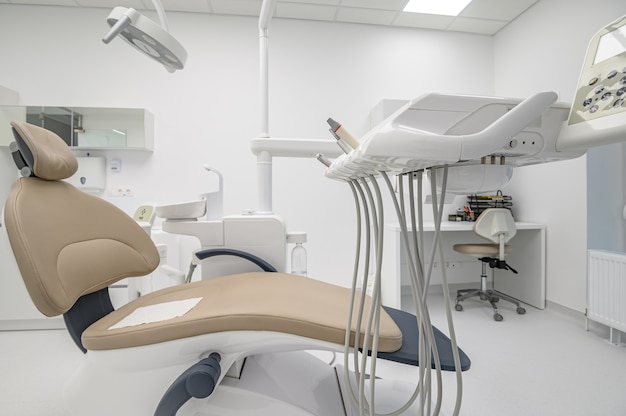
(611, 44)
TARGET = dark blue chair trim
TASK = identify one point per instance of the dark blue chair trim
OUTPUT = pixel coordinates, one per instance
(408, 353)
(212, 252)
(87, 310)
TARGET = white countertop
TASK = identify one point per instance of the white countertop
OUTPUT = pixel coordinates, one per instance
(464, 226)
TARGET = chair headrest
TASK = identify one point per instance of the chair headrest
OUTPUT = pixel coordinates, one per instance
(45, 153)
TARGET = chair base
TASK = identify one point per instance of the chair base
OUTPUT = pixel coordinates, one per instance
(492, 296)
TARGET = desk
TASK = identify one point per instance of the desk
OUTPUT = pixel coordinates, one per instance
(528, 257)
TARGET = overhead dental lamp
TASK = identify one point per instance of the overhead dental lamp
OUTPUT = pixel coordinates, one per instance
(147, 36)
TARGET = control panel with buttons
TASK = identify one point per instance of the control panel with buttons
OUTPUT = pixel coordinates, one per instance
(601, 89)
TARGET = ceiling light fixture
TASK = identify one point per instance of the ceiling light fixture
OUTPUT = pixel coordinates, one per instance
(442, 7)
(147, 36)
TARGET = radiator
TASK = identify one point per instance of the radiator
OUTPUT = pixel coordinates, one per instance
(606, 291)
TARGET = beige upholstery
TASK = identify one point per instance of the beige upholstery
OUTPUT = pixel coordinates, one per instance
(68, 244)
(494, 224)
(52, 158)
(251, 301)
(480, 250)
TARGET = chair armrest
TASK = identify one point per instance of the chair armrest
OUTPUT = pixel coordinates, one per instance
(212, 252)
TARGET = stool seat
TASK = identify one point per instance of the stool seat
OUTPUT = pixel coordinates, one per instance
(480, 250)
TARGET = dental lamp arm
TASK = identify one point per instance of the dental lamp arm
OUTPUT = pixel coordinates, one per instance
(163, 19)
(161, 13)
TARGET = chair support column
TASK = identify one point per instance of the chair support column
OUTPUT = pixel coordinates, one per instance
(483, 278)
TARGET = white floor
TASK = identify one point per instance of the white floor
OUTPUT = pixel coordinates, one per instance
(543, 363)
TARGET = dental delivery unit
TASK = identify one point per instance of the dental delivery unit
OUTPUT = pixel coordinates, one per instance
(257, 341)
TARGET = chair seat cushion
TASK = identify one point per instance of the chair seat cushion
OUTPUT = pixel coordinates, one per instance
(480, 250)
(254, 301)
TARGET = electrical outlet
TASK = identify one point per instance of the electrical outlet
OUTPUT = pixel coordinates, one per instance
(121, 191)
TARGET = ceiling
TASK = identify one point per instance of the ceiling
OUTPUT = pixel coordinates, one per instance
(480, 16)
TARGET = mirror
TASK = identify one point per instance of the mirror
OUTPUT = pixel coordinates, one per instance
(85, 127)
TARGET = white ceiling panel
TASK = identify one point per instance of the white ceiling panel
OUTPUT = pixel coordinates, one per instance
(505, 10)
(135, 4)
(480, 16)
(480, 26)
(367, 16)
(424, 21)
(312, 11)
(52, 3)
(197, 6)
(394, 5)
(325, 2)
(237, 7)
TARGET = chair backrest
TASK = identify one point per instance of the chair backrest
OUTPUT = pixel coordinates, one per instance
(496, 224)
(67, 243)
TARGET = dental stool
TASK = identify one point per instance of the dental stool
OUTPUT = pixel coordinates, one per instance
(154, 354)
(498, 226)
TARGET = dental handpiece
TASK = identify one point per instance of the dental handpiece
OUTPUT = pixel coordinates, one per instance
(323, 159)
(344, 134)
(342, 143)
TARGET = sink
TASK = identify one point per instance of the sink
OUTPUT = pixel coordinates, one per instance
(182, 210)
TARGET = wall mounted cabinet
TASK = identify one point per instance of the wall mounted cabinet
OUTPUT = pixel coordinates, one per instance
(86, 128)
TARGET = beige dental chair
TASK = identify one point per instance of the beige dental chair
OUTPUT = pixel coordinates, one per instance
(498, 226)
(70, 246)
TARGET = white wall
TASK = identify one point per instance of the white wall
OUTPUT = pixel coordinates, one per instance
(208, 112)
(544, 50)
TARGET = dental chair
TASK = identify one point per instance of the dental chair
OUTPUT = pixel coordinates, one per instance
(498, 226)
(154, 354)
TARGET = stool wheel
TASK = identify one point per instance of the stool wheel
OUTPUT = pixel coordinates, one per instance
(497, 317)
(521, 310)
(458, 307)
